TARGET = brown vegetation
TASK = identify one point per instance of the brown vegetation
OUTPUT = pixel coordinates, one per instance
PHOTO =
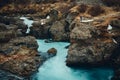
(82, 8)
(95, 10)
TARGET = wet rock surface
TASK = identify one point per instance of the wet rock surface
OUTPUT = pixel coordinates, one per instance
(52, 52)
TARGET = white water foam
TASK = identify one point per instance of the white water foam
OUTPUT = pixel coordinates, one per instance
(109, 27)
(27, 22)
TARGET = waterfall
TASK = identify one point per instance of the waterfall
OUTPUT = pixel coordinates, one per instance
(28, 23)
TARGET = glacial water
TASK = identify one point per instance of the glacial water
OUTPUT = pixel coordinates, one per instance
(55, 68)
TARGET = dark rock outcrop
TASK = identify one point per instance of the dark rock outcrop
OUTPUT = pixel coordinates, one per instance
(90, 46)
(19, 56)
(18, 53)
(13, 24)
(40, 31)
(60, 31)
(41, 27)
(52, 52)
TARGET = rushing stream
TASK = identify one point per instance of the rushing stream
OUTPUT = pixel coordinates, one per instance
(55, 68)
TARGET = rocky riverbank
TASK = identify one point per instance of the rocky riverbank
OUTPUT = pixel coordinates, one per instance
(92, 30)
(18, 52)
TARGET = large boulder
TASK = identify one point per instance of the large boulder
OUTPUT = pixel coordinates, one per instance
(83, 54)
(60, 31)
(14, 44)
(23, 63)
(40, 31)
(90, 46)
(20, 56)
(52, 52)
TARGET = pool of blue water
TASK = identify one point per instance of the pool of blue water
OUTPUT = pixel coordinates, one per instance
(56, 69)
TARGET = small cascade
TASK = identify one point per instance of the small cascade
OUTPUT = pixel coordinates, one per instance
(28, 23)
(109, 27)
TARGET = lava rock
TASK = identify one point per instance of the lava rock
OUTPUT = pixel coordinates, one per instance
(40, 31)
(52, 52)
(19, 56)
(90, 46)
(58, 31)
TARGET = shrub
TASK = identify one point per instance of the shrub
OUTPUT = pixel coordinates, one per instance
(95, 10)
(82, 8)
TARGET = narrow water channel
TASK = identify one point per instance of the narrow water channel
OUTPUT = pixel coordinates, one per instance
(55, 68)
